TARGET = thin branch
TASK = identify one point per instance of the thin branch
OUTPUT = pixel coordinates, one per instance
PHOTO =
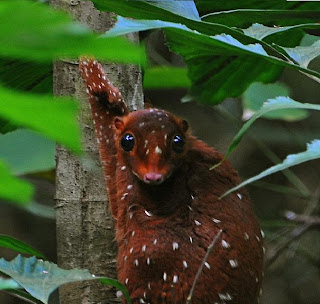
(302, 218)
(293, 235)
(210, 248)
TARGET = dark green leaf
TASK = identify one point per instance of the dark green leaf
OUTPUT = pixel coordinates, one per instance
(38, 32)
(41, 278)
(56, 118)
(12, 188)
(244, 17)
(19, 246)
(27, 151)
(312, 152)
(26, 75)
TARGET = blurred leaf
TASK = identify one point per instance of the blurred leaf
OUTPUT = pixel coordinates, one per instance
(258, 93)
(8, 284)
(26, 75)
(27, 151)
(278, 103)
(36, 31)
(244, 17)
(12, 188)
(22, 295)
(41, 278)
(303, 55)
(56, 118)
(260, 31)
(166, 77)
(41, 210)
(312, 152)
(19, 246)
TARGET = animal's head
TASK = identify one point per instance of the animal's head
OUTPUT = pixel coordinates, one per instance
(152, 143)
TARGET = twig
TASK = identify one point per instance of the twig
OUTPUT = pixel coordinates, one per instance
(210, 248)
(302, 218)
(295, 233)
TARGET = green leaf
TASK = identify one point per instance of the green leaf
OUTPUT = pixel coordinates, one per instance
(216, 63)
(12, 188)
(303, 55)
(19, 246)
(41, 278)
(245, 17)
(182, 8)
(165, 77)
(27, 151)
(36, 31)
(278, 103)
(53, 117)
(8, 284)
(312, 152)
(258, 93)
(26, 75)
(260, 31)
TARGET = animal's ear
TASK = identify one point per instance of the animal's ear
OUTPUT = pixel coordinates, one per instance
(184, 125)
(118, 123)
(147, 103)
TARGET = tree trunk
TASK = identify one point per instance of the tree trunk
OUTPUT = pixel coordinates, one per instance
(85, 235)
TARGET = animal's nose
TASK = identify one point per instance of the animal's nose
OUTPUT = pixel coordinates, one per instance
(153, 178)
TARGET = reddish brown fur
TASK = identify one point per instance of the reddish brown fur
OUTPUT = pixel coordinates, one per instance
(164, 230)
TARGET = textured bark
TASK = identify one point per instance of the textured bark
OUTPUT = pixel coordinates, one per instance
(85, 235)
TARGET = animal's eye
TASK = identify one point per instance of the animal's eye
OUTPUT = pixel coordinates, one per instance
(127, 142)
(178, 144)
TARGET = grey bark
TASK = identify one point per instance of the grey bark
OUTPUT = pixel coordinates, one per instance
(85, 235)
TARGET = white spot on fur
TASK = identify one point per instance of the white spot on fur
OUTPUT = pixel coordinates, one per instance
(207, 265)
(246, 236)
(123, 168)
(197, 223)
(129, 187)
(158, 150)
(185, 264)
(233, 263)
(225, 244)
(144, 247)
(175, 279)
(164, 276)
(147, 213)
(175, 245)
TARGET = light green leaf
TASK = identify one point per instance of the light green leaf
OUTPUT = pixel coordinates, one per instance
(278, 103)
(26, 151)
(53, 117)
(12, 188)
(241, 17)
(41, 278)
(36, 31)
(260, 31)
(303, 55)
(8, 284)
(166, 77)
(125, 26)
(254, 97)
(312, 152)
(19, 246)
(182, 8)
